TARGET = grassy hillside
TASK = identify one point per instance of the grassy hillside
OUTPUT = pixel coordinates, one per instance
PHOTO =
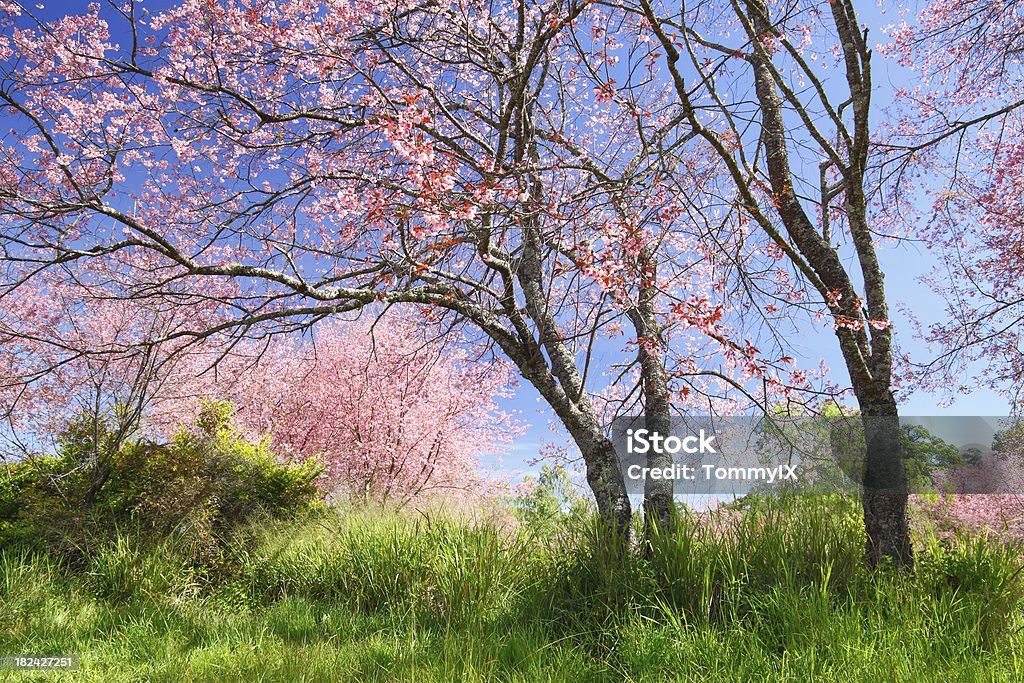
(775, 593)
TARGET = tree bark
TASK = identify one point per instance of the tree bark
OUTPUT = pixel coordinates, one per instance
(603, 472)
(605, 479)
(867, 351)
(560, 382)
(658, 493)
(885, 492)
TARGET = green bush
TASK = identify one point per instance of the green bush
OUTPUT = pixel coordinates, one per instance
(211, 479)
(208, 481)
(26, 489)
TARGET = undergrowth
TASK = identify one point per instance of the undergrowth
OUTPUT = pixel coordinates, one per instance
(775, 591)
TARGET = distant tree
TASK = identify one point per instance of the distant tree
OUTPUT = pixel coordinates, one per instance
(955, 164)
(831, 452)
(547, 498)
(78, 364)
(986, 494)
(395, 417)
(926, 455)
(74, 361)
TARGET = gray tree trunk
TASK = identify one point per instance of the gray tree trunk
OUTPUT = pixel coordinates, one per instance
(885, 493)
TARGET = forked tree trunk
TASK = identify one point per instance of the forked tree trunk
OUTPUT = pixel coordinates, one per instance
(604, 474)
(562, 385)
(788, 122)
(577, 414)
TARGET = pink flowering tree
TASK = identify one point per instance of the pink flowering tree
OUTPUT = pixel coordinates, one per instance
(395, 417)
(987, 496)
(956, 159)
(70, 354)
(295, 161)
(291, 161)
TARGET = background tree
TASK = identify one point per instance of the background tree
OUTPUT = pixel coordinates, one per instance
(548, 500)
(290, 176)
(955, 160)
(985, 495)
(396, 418)
(70, 355)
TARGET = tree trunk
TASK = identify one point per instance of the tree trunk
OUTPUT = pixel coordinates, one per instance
(577, 414)
(559, 380)
(604, 475)
(605, 479)
(885, 485)
(658, 493)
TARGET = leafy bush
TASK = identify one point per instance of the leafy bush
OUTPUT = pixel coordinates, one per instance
(208, 481)
(26, 489)
(211, 479)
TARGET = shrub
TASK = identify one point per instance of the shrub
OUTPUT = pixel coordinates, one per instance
(208, 481)
(27, 488)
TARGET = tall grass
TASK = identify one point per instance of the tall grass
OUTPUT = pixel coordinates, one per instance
(773, 592)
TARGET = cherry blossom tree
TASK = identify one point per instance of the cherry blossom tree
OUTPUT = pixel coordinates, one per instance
(395, 417)
(794, 151)
(280, 159)
(956, 158)
(954, 163)
(291, 161)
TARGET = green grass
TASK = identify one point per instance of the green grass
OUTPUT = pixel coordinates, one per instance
(781, 594)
